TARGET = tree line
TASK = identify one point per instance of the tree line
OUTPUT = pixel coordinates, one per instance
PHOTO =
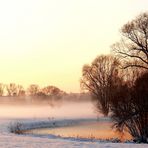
(13, 90)
(34, 93)
(118, 83)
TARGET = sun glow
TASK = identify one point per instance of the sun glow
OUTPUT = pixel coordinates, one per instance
(48, 42)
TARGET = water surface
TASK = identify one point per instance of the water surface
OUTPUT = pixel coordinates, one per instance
(91, 130)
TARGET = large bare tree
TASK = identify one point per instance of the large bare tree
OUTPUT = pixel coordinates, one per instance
(133, 47)
(97, 78)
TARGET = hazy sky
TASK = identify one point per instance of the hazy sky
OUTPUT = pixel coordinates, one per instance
(47, 42)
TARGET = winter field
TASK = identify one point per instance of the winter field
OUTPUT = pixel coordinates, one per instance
(9, 140)
(40, 117)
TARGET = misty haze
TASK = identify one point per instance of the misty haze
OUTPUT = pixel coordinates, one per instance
(73, 73)
(13, 107)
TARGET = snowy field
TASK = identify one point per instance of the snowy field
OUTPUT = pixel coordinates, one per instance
(9, 140)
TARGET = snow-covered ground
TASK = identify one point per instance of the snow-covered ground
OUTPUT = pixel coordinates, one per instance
(9, 140)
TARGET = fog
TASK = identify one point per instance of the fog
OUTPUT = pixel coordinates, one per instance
(49, 109)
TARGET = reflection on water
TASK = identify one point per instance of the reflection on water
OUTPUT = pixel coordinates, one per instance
(94, 129)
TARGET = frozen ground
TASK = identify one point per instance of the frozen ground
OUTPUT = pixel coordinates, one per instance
(9, 140)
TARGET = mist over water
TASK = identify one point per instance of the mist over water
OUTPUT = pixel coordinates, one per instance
(15, 110)
(56, 109)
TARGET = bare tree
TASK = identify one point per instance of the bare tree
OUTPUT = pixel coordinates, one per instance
(140, 99)
(2, 87)
(122, 92)
(97, 78)
(15, 90)
(20, 90)
(52, 92)
(33, 89)
(129, 108)
(133, 47)
(11, 89)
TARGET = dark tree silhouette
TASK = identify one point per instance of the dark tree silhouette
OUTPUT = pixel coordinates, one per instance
(122, 92)
(140, 95)
(133, 47)
(97, 78)
(129, 108)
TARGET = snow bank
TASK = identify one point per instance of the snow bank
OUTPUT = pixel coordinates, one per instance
(9, 140)
(48, 123)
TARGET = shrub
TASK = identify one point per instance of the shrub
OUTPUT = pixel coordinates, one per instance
(16, 128)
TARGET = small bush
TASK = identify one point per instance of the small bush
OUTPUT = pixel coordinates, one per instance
(16, 128)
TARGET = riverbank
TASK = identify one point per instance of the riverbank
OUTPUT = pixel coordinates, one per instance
(8, 139)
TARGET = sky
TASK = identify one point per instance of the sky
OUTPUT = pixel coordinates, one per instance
(47, 42)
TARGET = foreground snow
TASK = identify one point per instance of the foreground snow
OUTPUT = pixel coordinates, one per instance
(9, 140)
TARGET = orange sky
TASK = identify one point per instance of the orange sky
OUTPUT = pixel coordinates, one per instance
(47, 42)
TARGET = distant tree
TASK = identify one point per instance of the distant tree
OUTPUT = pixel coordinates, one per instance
(133, 48)
(2, 87)
(11, 89)
(98, 77)
(15, 90)
(20, 90)
(52, 92)
(33, 89)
